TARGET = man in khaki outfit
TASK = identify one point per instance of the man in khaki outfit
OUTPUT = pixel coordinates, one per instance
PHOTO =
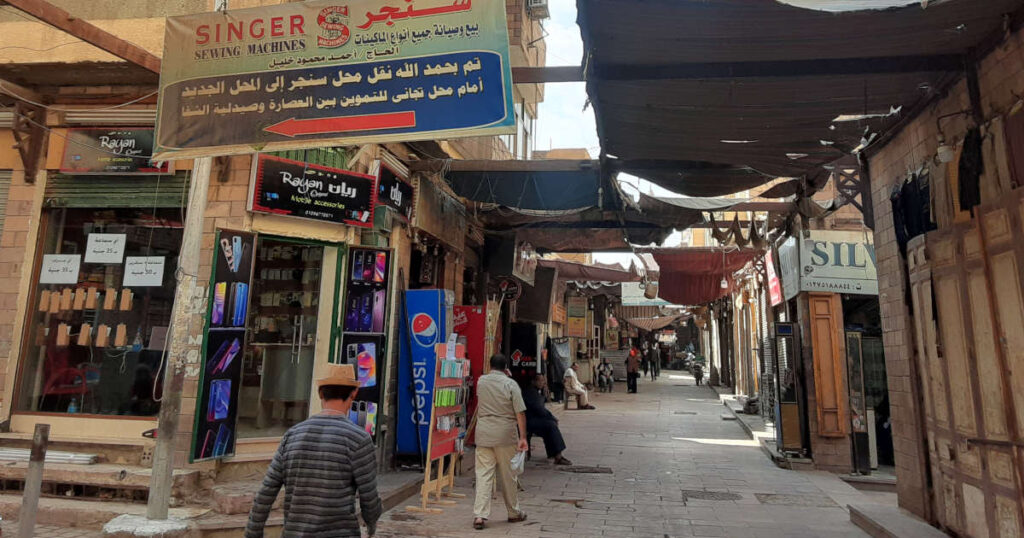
(500, 433)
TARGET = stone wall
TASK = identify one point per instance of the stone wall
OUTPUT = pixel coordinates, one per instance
(1001, 75)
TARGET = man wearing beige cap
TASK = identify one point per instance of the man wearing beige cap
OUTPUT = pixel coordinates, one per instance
(324, 463)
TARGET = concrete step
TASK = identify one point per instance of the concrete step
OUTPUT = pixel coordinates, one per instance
(83, 514)
(872, 482)
(103, 475)
(884, 521)
(121, 451)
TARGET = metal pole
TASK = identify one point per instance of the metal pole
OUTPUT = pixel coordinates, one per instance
(181, 322)
(33, 482)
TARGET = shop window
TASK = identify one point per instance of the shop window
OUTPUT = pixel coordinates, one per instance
(100, 308)
(277, 372)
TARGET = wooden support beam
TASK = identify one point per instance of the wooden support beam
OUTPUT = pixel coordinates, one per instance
(19, 92)
(541, 75)
(87, 32)
(555, 165)
(784, 68)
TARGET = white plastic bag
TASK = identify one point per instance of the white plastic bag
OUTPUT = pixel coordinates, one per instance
(518, 463)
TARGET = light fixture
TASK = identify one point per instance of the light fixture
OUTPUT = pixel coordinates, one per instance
(945, 153)
(724, 284)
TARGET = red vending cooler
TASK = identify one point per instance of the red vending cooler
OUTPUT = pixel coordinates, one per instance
(471, 322)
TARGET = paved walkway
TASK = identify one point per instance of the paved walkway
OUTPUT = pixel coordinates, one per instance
(677, 469)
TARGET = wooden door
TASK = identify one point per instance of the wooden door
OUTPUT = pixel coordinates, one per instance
(966, 284)
(829, 366)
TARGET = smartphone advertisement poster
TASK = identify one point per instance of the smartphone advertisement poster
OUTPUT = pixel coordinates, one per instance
(217, 409)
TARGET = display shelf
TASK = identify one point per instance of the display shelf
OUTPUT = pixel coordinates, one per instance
(357, 333)
(289, 264)
(449, 382)
(285, 310)
(284, 284)
(368, 283)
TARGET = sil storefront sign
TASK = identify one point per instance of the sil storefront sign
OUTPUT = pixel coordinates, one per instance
(323, 72)
(309, 191)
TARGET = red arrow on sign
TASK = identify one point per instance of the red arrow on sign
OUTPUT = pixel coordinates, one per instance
(370, 122)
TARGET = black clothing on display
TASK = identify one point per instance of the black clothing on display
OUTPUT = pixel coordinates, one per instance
(540, 421)
(972, 166)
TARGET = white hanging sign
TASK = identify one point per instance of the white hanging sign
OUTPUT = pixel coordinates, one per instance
(143, 271)
(105, 248)
(60, 269)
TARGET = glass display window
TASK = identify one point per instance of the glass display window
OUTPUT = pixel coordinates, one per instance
(99, 311)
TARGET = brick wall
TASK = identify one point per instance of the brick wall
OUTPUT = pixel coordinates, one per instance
(18, 235)
(1001, 74)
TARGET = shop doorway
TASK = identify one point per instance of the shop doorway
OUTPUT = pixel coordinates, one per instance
(278, 365)
(869, 391)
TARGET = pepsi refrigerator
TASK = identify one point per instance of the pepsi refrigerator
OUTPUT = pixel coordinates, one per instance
(426, 321)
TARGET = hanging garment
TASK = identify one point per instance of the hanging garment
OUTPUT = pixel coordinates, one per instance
(971, 167)
(1002, 157)
(898, 224)
(941, 201)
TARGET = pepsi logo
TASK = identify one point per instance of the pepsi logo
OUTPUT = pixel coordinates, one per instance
(424, 330)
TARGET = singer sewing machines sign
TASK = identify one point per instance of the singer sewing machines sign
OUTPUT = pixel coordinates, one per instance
(317, 73)
(286, 187)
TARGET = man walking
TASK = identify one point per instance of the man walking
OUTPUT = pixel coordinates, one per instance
(324, 463)
(540, 421)
(573, 386)
(632, 370)
(500, 433)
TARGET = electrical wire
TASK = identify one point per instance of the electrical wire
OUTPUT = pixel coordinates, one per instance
(75, 142)
(15, 47)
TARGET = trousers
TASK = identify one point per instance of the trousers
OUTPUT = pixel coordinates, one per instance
(581, 395)
(491, 461)
(548, 430)
(631, 381)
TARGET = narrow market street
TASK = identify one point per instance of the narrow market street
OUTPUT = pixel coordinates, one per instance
(676, 469)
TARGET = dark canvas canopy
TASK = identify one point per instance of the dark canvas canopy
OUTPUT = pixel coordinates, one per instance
(736, 92)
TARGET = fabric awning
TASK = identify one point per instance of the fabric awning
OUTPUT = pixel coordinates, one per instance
(653, 324)
(576, 271)
(693, 276)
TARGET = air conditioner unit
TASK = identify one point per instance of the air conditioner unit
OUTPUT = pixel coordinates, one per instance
(537, 9)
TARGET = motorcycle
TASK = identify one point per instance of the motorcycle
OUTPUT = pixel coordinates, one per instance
(698, 373)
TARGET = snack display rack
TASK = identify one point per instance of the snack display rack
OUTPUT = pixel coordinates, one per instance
(448, 424)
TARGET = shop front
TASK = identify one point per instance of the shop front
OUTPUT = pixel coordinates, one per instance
(290, 293)
(102, 286)
(840, 385)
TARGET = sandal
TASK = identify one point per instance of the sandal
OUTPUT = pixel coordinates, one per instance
(478, 524)
(517, 519)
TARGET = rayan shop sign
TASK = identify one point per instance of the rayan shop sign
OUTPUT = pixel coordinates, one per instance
(830, 261)
(309, 191)
(328, 73)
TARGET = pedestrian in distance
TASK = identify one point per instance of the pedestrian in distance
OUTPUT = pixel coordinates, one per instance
(541, 422)
(500, 433)
(325, 464)
(573, 386)
(605, 375)
(632, 370)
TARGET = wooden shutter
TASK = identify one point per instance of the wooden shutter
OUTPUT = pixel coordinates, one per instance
(829, 373)
(117, 191)
(5, 184)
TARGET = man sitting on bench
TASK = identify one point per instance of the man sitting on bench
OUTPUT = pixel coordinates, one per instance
(540, 421)
(573, 386)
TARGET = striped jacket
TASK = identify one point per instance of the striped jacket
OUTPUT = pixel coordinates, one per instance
(323, 463)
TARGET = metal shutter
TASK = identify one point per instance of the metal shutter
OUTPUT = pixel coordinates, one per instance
(330, 157)
(5, 184)
(117, 191)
